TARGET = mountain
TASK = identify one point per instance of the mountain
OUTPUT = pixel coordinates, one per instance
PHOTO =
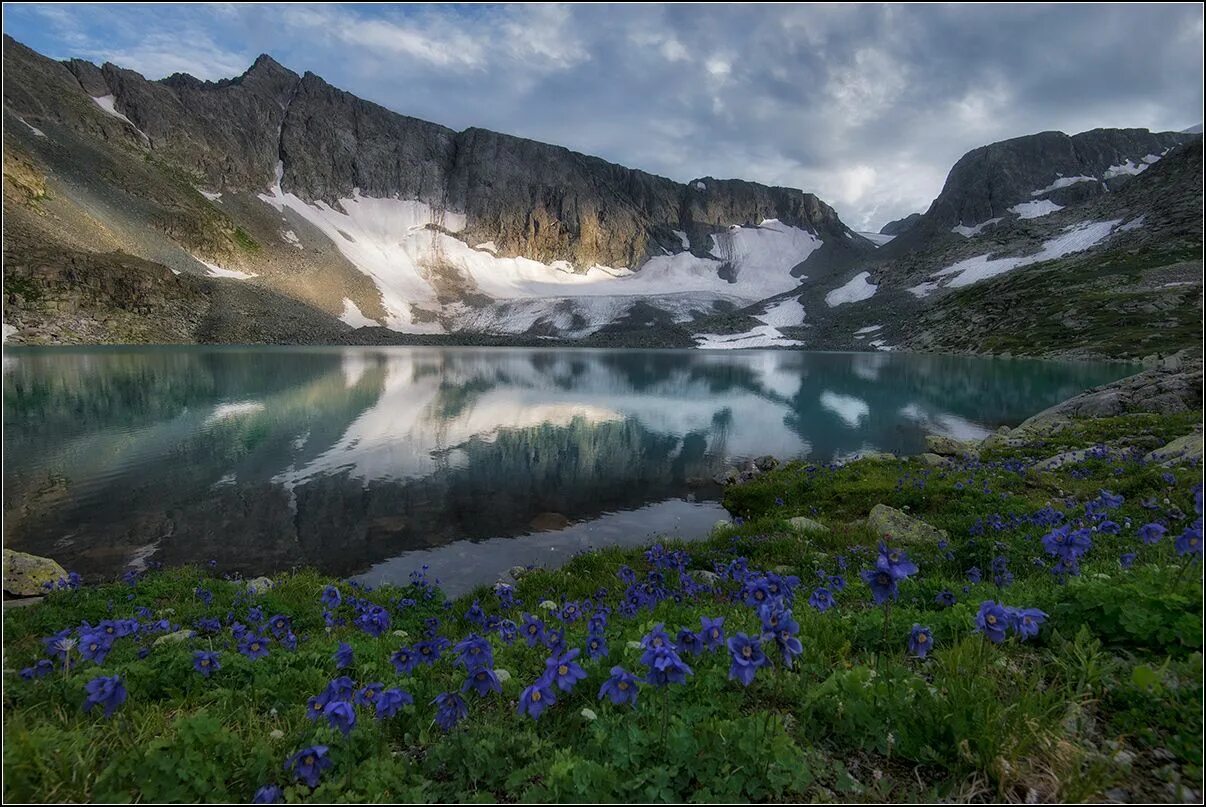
(289, 185)
(273, 207)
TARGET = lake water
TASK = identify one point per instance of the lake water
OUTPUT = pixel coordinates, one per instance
(373, 461)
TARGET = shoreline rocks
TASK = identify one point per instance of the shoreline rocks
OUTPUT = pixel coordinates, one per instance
(26, 575)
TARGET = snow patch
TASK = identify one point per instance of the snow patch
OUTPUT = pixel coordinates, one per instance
(32, 128)
(352, 316)
(923, 289)
(9, 330)
(869, 329)
(1035, 209)
(212, 196)
(218, 271)
(1075, 238)
(968, 232)
(1062, 182)
(1128, 167)
(291, 238)
(782, 314)
(488, 246)
(108, 104)
(855, 290)
(761, 336)
(683, 239)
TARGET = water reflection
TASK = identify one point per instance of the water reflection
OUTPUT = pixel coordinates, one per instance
(264, 458)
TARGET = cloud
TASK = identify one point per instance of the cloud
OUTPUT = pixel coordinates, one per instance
(866, 106)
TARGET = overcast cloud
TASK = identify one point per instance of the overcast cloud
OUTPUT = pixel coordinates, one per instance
(866, 106)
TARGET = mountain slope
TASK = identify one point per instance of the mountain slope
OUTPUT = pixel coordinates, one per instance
(286, 183)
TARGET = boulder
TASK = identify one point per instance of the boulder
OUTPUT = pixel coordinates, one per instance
(950, 447)
(805, 524)
(26, 575)
(729, 476)
(1182, 451)
(1065, 458)
(903, 528)
(259, 585)
(705, 578)
(934, 459)
(766, 463)
(173, 638)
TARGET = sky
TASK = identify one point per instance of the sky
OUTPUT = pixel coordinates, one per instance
(867, 106)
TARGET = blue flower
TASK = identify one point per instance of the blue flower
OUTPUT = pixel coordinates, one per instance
(253, 646)
(95, 647)
(279, 625)
(532, 629)
(391, 701)
(308, 764)
(712, 632)
(475, 653)
(821, 600)
(404, 660)
(1152, 533)
(428, 650)
(331, 598)
(367, 695)
(973, 574)
(596, 646)
(554, 639)
(109, 692)
(785, 637)
(205, 662)
(564, 671)
(621, 687)
(945, 598)
(537, 697)
(450, 710)
(1189, 542)
(654, 642)
(1126, 560)
(482, 681)
(344, 656)
(992, 620)
(689, 641)
(920, 641)
(268, 794)
(340, 715)
(1026, 621)
(317, 704)
(747, 656)
(895, 562)
(40, 669)
(373, 620)
(882, 583)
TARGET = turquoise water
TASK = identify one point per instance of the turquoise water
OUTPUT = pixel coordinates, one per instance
(374, 460)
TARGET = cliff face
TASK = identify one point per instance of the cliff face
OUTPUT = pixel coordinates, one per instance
(531, 199)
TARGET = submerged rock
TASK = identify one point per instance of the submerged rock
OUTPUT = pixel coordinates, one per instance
(903, 528)
(26, 575)
(549, 521)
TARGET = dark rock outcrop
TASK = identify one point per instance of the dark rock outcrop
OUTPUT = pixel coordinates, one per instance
(900, 225)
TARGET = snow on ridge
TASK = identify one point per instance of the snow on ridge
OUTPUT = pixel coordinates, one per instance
(968, 232)
(1035, 209)
(212, 196)
(352, 316)
(218, 271)
(855, 290)
(869, 329)
(1128, 167)
(32, 128)
(1075, 238)
(924, 288)
(683, 239)
(108, 104)
(1062, 182)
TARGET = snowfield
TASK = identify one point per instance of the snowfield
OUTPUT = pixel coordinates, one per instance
(352, 316)
(968, 232)
(1062, 182)
(403, 245)
(783, 314)
(761, 336)
(218, 271)
(857, 289)
(1032, 210)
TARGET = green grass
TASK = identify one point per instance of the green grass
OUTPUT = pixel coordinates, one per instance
(1109, 695)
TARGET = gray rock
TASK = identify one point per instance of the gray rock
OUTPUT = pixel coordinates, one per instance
(706, 578)
(1181, 451)
(26, 575)
(903, 528)
(173, 638)
(934, 459)
(805, 524)
(259, 585)
(766, 463)
(729, 476)
(22, 602)
(1064, 458)
(1160, 390)
(950, 447)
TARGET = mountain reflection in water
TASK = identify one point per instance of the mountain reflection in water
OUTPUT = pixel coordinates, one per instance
(267, 458)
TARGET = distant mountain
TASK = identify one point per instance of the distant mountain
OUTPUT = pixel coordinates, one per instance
(273, 207)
